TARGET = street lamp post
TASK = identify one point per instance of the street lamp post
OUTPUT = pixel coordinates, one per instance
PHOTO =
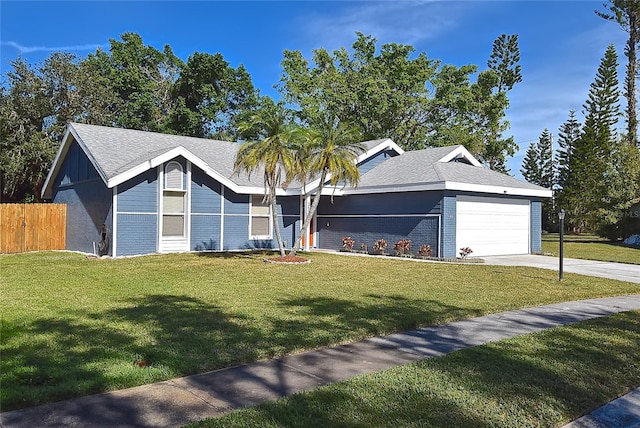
(561, 217)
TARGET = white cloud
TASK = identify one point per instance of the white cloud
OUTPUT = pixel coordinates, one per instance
(32, 49)
(406, 22)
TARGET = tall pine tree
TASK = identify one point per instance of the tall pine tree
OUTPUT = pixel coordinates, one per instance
(530, 166)
(592, 164)
(627, 14)
(538, 168)
(568, 134)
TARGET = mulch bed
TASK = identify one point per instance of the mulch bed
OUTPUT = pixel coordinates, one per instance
(287, 260)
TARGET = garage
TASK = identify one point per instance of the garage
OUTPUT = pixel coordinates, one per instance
(493, 226)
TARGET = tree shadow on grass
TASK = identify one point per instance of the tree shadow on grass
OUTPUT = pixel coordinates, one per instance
(145, 340)
(546, 380)
(318, 321)
(158, 337)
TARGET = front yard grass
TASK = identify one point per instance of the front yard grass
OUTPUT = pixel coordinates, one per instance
(72, 326)
(590, 247)
(544, 379)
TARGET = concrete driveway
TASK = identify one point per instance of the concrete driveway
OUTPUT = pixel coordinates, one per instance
(619, 271)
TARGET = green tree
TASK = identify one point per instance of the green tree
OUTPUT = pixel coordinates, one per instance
(26, 150)
(489, 121)
(409, 98)
(592, 162)
(627, 14)
(209, 95)
(504, 60)
(538, 168)
(538, 165)
(272, 152)
(382, 94)
(329, 153)
(568, 134)
(136, 77)
(504, 63)
(530, 165)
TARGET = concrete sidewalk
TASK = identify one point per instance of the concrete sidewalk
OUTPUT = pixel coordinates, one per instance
(619, 271)
(180, 401)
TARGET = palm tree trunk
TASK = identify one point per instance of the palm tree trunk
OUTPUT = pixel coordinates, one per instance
(274, 219)
(309, 214)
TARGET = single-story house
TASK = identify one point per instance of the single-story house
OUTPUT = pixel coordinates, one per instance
(143, 192)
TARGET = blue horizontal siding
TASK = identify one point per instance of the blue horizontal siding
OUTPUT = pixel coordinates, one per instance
(382, 203)
(536, 227)
(420, 230)
(235, 203)
(236, 232)
(140, 194)
(137, 234)
(448, 232)
(205, 193)
(205, 232)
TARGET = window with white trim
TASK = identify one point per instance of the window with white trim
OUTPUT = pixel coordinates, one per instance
(260, 221)
(173, 176)
(173, 201)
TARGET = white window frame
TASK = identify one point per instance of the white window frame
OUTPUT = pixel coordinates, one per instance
(173, 190)
(252, 215)
(166, 176)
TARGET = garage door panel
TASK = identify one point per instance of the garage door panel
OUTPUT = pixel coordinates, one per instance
(492, 226)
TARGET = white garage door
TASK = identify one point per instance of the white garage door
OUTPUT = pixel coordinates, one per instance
(492, 226)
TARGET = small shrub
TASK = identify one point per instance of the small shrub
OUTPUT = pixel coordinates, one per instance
(363, 247)
(425, 251)
(465, 251)
(348, 243)
(380, 246)
(402, 247)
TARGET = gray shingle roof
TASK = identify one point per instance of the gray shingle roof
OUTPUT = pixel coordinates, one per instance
(422, 167)
(117, 150)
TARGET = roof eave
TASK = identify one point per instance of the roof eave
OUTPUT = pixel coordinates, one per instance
(499, 190)
(443, 185)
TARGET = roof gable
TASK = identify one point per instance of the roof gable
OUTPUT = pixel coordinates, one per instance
(120, 154)
(441, 168)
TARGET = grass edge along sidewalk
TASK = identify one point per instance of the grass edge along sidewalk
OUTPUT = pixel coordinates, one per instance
(547, 379)
(214, 394)
(590, 247)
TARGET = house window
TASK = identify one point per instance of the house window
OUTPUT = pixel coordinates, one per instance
(173, 201)
(260, 223)
(173, 176)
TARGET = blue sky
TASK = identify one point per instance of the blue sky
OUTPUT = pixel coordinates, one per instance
(561, 42)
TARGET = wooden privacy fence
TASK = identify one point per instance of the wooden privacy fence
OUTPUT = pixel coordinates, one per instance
(32, 227)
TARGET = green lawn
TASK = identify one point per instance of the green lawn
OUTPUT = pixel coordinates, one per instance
(590, 247)
(72, 326)
(540, 380)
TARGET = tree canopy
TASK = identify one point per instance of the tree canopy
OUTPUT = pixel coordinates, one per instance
(132, 85)
(417, 102)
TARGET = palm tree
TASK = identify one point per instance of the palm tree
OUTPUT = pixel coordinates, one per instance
(329, 149)
(272, 150)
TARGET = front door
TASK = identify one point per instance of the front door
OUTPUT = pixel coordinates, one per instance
(311, 233)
